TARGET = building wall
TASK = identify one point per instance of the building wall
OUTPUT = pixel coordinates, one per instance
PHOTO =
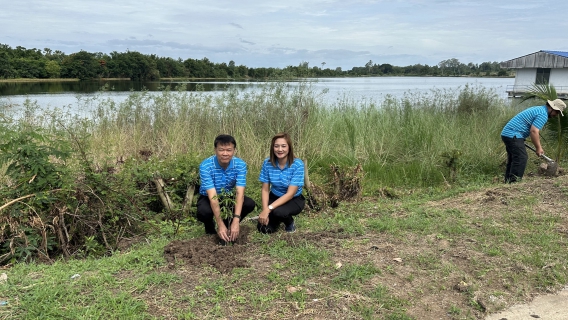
(559, 78)
(526, 77)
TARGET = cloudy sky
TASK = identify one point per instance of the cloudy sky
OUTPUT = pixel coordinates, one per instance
(270, 33)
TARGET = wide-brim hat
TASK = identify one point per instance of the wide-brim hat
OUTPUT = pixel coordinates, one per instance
(557, 105)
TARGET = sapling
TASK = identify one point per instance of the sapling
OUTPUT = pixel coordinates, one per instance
(227, 205)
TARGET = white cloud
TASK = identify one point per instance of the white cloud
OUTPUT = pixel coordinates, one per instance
(274, 33)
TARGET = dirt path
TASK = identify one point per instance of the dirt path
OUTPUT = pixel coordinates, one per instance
(548, 307)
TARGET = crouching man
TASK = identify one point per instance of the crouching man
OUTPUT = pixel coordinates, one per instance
(223, 175)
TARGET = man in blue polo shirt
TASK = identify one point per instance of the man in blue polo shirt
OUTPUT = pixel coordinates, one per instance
(527, 123)
(220, 174)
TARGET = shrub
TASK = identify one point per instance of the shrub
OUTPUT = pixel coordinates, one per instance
(51, 209)
(36, 174)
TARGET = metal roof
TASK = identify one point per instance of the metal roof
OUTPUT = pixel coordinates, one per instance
(558, 53)
(540, 59)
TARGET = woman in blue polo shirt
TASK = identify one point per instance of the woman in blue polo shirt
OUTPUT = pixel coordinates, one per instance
(282, 178)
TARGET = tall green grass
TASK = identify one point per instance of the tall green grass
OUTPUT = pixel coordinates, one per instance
(399, 141)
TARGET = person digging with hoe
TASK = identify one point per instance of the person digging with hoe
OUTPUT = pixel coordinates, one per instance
(220, 175)
(526, 123)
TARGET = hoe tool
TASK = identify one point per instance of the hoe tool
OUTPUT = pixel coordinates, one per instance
(552, 167)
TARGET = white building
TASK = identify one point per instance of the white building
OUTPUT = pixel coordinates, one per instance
(539, 68)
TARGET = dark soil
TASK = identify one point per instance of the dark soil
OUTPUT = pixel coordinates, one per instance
(212, 251)
(209, 250)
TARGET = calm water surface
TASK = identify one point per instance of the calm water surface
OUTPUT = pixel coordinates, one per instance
(60, 94)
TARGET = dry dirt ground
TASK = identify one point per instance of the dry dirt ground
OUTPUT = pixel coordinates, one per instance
(431, 295)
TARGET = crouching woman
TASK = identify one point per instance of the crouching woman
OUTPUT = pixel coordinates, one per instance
(282, 178)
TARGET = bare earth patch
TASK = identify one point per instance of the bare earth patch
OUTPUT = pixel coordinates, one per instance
(439, 277)
(210, 251)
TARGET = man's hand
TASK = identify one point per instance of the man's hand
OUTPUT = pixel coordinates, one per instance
(539, 151)
(222, 232)
(235, 227)
(263, 217)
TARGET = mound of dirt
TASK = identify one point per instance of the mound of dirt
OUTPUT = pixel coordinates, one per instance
(209, 250)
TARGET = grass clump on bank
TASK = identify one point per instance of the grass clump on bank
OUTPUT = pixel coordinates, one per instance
(414, 141)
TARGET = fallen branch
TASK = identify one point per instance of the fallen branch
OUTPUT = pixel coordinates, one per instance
(188, 199)
(11, 202)
(160, 186)
(307, 183)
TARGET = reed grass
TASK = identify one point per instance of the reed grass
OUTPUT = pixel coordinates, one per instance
(405, 141)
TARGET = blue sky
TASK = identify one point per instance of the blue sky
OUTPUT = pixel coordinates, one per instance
(272, 33)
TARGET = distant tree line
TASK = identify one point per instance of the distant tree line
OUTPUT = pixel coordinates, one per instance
(20, 62)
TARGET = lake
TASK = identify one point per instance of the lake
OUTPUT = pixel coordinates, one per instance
(59, 94)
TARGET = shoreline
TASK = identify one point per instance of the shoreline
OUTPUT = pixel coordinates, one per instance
(39, 80)
(21, 80)
(60, 80)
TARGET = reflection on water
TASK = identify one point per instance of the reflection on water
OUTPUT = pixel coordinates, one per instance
(22, 88)
(331, 90)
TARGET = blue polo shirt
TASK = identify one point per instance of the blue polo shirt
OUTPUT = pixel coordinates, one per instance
(520, 125)
(281, 179)
(212, 175)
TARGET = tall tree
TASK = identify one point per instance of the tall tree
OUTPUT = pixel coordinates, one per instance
(368, 65)
(52, 69)
(5, 68)
(82, 65)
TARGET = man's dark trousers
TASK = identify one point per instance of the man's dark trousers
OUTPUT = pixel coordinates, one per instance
(205, 213)
(517, 158)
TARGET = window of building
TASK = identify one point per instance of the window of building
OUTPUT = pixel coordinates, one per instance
(542, 75)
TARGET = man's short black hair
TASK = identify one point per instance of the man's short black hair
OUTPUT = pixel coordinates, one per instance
(224, 139)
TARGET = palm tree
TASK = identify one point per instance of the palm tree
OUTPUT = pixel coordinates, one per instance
(555, 130)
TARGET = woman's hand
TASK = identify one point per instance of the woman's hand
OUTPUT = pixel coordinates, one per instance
(263, 217)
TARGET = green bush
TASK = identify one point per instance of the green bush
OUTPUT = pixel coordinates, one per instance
(179, 178)
(36, 177)
(50, 208)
